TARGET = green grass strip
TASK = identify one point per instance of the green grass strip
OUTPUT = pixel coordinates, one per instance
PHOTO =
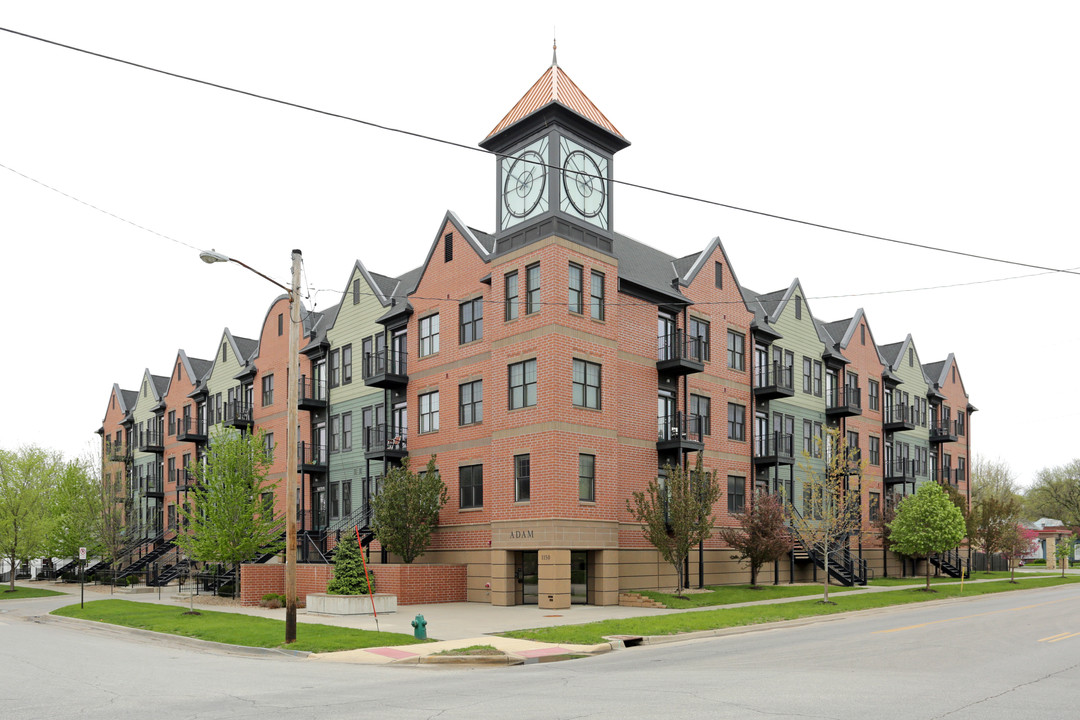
(731, 594)
(21, 593)
(593, 633)
(995, 575)
(232, 628)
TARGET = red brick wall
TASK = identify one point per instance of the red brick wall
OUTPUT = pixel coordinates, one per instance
(257, 580)
(416, 584)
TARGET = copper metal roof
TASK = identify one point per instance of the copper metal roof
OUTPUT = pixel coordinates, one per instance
(555, 86)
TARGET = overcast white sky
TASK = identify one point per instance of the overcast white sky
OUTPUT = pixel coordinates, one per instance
(949, 124)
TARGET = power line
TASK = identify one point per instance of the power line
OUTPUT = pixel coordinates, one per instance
(451, 143)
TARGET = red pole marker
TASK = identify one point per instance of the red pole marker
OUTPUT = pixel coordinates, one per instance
(366, 578)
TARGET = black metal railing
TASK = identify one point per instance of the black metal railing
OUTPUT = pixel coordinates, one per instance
(946, 431)
(844, 398)
(775, 375)
(237, 412)
(680, 426)
(191, 427)
(899, 414)
(151, 441)
(311, 390)
(385, 362)
(678, 345)
(774, 445)
(385, 437)
(311, 454)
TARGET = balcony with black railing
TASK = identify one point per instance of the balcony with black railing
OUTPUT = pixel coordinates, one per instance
(680, 354)
(185, 480)
(386, 368)
(118, 452)
(900, 471)
(898, 418)
(192, 429)
(843, 402)
(775, 448)
(311, 393)
(385, 442)
(774, 380)
(238, 415)
(680, 433)
(943, 432)
(312, 458)
(154, 485)
(151, 441)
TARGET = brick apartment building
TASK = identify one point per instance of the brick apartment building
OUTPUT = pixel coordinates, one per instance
(553, 367)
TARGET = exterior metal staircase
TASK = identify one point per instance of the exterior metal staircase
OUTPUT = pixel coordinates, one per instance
(951, 563)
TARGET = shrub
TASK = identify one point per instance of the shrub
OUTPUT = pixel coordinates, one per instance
(349, 578)
(272, 600)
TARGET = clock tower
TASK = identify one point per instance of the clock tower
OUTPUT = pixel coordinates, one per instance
(554, 166)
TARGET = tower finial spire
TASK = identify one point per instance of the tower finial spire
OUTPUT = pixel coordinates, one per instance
(554, 47)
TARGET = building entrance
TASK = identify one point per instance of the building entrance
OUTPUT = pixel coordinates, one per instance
(528, 577)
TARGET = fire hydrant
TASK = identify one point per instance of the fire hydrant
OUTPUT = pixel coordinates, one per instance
(419, 628)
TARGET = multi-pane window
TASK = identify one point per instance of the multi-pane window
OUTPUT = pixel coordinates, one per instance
(587, 478)
(429, 412)
(471, 315)
(699, 333)
(268, 447)
(471, 402)
(471, 486)
(172, 422)
(736, 350)
(335, 431)
(596, 295)
(522, 384)
(521, 478)
(736, 494)
(817, 378)
(961, 421)
(335, 368)
(532, 288)
(700, 406)
(267, 390)
(875, 506)
(874, 390)
(346, 498)
(875, 450)
(808, 437)
(807, 368)
(346, 431)
(586, 384)
(736, 421)
(335, 505)
(819, 443)
(346, 364)
(510, 282)
(575, 296)
(429, 335)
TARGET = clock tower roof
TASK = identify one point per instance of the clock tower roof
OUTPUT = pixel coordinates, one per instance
(555, 88)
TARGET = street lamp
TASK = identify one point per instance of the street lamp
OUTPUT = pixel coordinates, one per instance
(212, 256)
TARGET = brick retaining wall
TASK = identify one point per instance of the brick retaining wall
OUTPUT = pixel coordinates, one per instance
(413, 584)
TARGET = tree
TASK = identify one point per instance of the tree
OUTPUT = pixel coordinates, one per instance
(1063, 552)
(349, 576)
(1018, 542)
(832, 508)
(75, 505)
(762, 535)
(676, 512)
(229, 517)
(26, 476)
(926, 523)
(112, 526)
(1056, 493)
(406, 509)
(991, 520)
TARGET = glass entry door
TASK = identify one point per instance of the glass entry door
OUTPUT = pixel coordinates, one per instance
(528, 574)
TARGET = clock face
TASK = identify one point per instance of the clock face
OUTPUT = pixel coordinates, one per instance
(524, 190)
(584, 183)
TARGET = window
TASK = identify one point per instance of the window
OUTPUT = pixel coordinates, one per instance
(719, 275)
(960, 422)
(429, 412)
(736, 350)
(575, 296)
(335, 368)
(862, 334)
(335, 430)
(346, 431)
(429, 335)
(798, 307)
(818, 440)
(808, 437)
(817, 378)
(522, 384)
(736, 494)
(806, 377)
(510, 281)
(911, 357)
(471, 318)
(596, 295)
(471, 486)
(280, 324)
(875, 506)
(586, 384)
(521, 478)
(875, 394)
(346, 365)
(699, 333)
(961, 469)
(356, 291)
(875, 450)
(448, 247)
(532, 288)
(700, 406)
(471, 402)
(172, 423)
(586, 478)
(346, 498)
(736, 422)
(267, 390)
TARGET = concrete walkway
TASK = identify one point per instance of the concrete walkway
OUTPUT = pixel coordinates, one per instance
(461, 625)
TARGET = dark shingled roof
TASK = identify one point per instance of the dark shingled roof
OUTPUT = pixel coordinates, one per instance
(385, 284)
(890, 352)
(488, 241)
(934, 370)
(770, 302)
(201, 368)
(246, 346)
(404, 285)
(837, 329)
(646, 266)
(130, 397)
(161, 384)
(683, 264)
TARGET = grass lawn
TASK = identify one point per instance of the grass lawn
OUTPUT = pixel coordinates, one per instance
(21, 593)
(232, 628)
(996, 575)
(730, 594)
(592, 633)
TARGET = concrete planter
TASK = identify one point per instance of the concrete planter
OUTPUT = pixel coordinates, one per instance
(326, 604)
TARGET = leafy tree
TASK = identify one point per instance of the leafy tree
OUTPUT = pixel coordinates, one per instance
(75, 505)
(926, 523)
(991, 520)
(1056, 493)
(112, 526)
(676, 512)
(831, 501)
(226, 519)
(1017, 543)
(349, 577)
(26, 477)
(762, 535)
(406, 509)
(1063, 552)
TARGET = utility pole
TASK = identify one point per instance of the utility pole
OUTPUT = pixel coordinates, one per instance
(291, 451)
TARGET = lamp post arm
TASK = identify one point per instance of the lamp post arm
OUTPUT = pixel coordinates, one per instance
(265, 277)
